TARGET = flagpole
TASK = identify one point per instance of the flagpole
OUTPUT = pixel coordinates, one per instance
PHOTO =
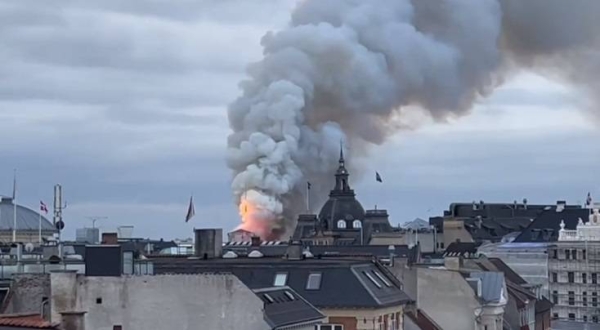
(14, 233)
(40, 227)
(308, 197)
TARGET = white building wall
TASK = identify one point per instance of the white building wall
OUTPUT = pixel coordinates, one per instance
(182, 302)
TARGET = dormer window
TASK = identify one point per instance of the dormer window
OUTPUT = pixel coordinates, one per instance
(356, 224)
(341, 224)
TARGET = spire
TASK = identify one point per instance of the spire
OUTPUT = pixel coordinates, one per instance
(341, 176)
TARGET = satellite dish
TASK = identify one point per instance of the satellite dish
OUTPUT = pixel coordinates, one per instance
(29, 247)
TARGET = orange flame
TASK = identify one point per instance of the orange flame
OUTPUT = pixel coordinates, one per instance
(251, 220)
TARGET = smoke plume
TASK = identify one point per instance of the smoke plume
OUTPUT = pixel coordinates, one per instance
(344, 68)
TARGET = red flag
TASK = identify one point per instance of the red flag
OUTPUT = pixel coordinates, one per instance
(43, 207)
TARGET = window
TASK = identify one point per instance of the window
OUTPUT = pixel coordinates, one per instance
(594, 278)
(594, 299)
(370, 277)
(555, 297)
(554, 254)
(567, 254)
(583, 254)
(117, 327)
(572, 316)
(329, 327)
(341, 224)
(356, 224)
(584, 298)
(585, 318)
(571, 298)
(574, 254)
(595, 319)
(314, 281)
(571, 276)
(555, 316)
(584, 278)
(98, 300)
(383, 279)
(442, 245)
(555, 277)
(280, 279)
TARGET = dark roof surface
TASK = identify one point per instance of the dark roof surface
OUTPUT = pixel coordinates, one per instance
(546, 226)
(461, 249)
(345, 283)
(543, 305)
(422, 320)
(510, 274)
(284, 306)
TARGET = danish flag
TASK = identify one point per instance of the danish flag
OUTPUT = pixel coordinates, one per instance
(43, 207)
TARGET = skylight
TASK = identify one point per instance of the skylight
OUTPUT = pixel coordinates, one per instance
(314, 281)
(289, 295)
(280, 279)
(382, 278)
(370, 277)
(269, 298)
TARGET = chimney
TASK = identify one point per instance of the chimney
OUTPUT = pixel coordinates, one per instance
(110, 239)
(560, 206)
(525, 203)
(478, 222)
(474, 206)
(255, 241)
(72, 320)
(294, 251)
(209, 243)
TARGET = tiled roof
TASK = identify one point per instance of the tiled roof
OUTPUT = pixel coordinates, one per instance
(285, 307)
(33, 321)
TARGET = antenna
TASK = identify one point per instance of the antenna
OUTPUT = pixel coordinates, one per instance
(96, 218)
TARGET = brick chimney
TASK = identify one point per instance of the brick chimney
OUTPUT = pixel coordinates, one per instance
(110, 239)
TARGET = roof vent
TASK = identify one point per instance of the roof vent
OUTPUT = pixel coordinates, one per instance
(230, 255)
(255, 254)
(560, 206)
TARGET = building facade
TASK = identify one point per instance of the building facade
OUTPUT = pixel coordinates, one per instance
(574, 271)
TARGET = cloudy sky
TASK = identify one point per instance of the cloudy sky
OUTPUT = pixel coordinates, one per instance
(125, 105)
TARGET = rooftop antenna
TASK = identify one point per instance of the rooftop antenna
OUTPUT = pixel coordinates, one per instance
(96, 218)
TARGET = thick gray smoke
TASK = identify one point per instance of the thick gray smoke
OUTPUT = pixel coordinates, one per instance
(344, 68)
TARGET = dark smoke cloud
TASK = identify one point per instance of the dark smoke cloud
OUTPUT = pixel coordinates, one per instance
(347, 69)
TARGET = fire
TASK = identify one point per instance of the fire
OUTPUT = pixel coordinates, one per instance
(257, 216)
(251, 219)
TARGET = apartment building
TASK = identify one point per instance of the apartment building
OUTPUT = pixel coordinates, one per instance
(574, 271)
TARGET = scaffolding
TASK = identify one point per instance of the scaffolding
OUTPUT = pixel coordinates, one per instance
(574, 280)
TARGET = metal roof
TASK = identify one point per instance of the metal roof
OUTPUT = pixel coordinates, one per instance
(27, 219)
(492, 285)
(285, 307)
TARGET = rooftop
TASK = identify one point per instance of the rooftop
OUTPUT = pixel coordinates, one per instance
(31, 321)
(326, 282)
(284, 306)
